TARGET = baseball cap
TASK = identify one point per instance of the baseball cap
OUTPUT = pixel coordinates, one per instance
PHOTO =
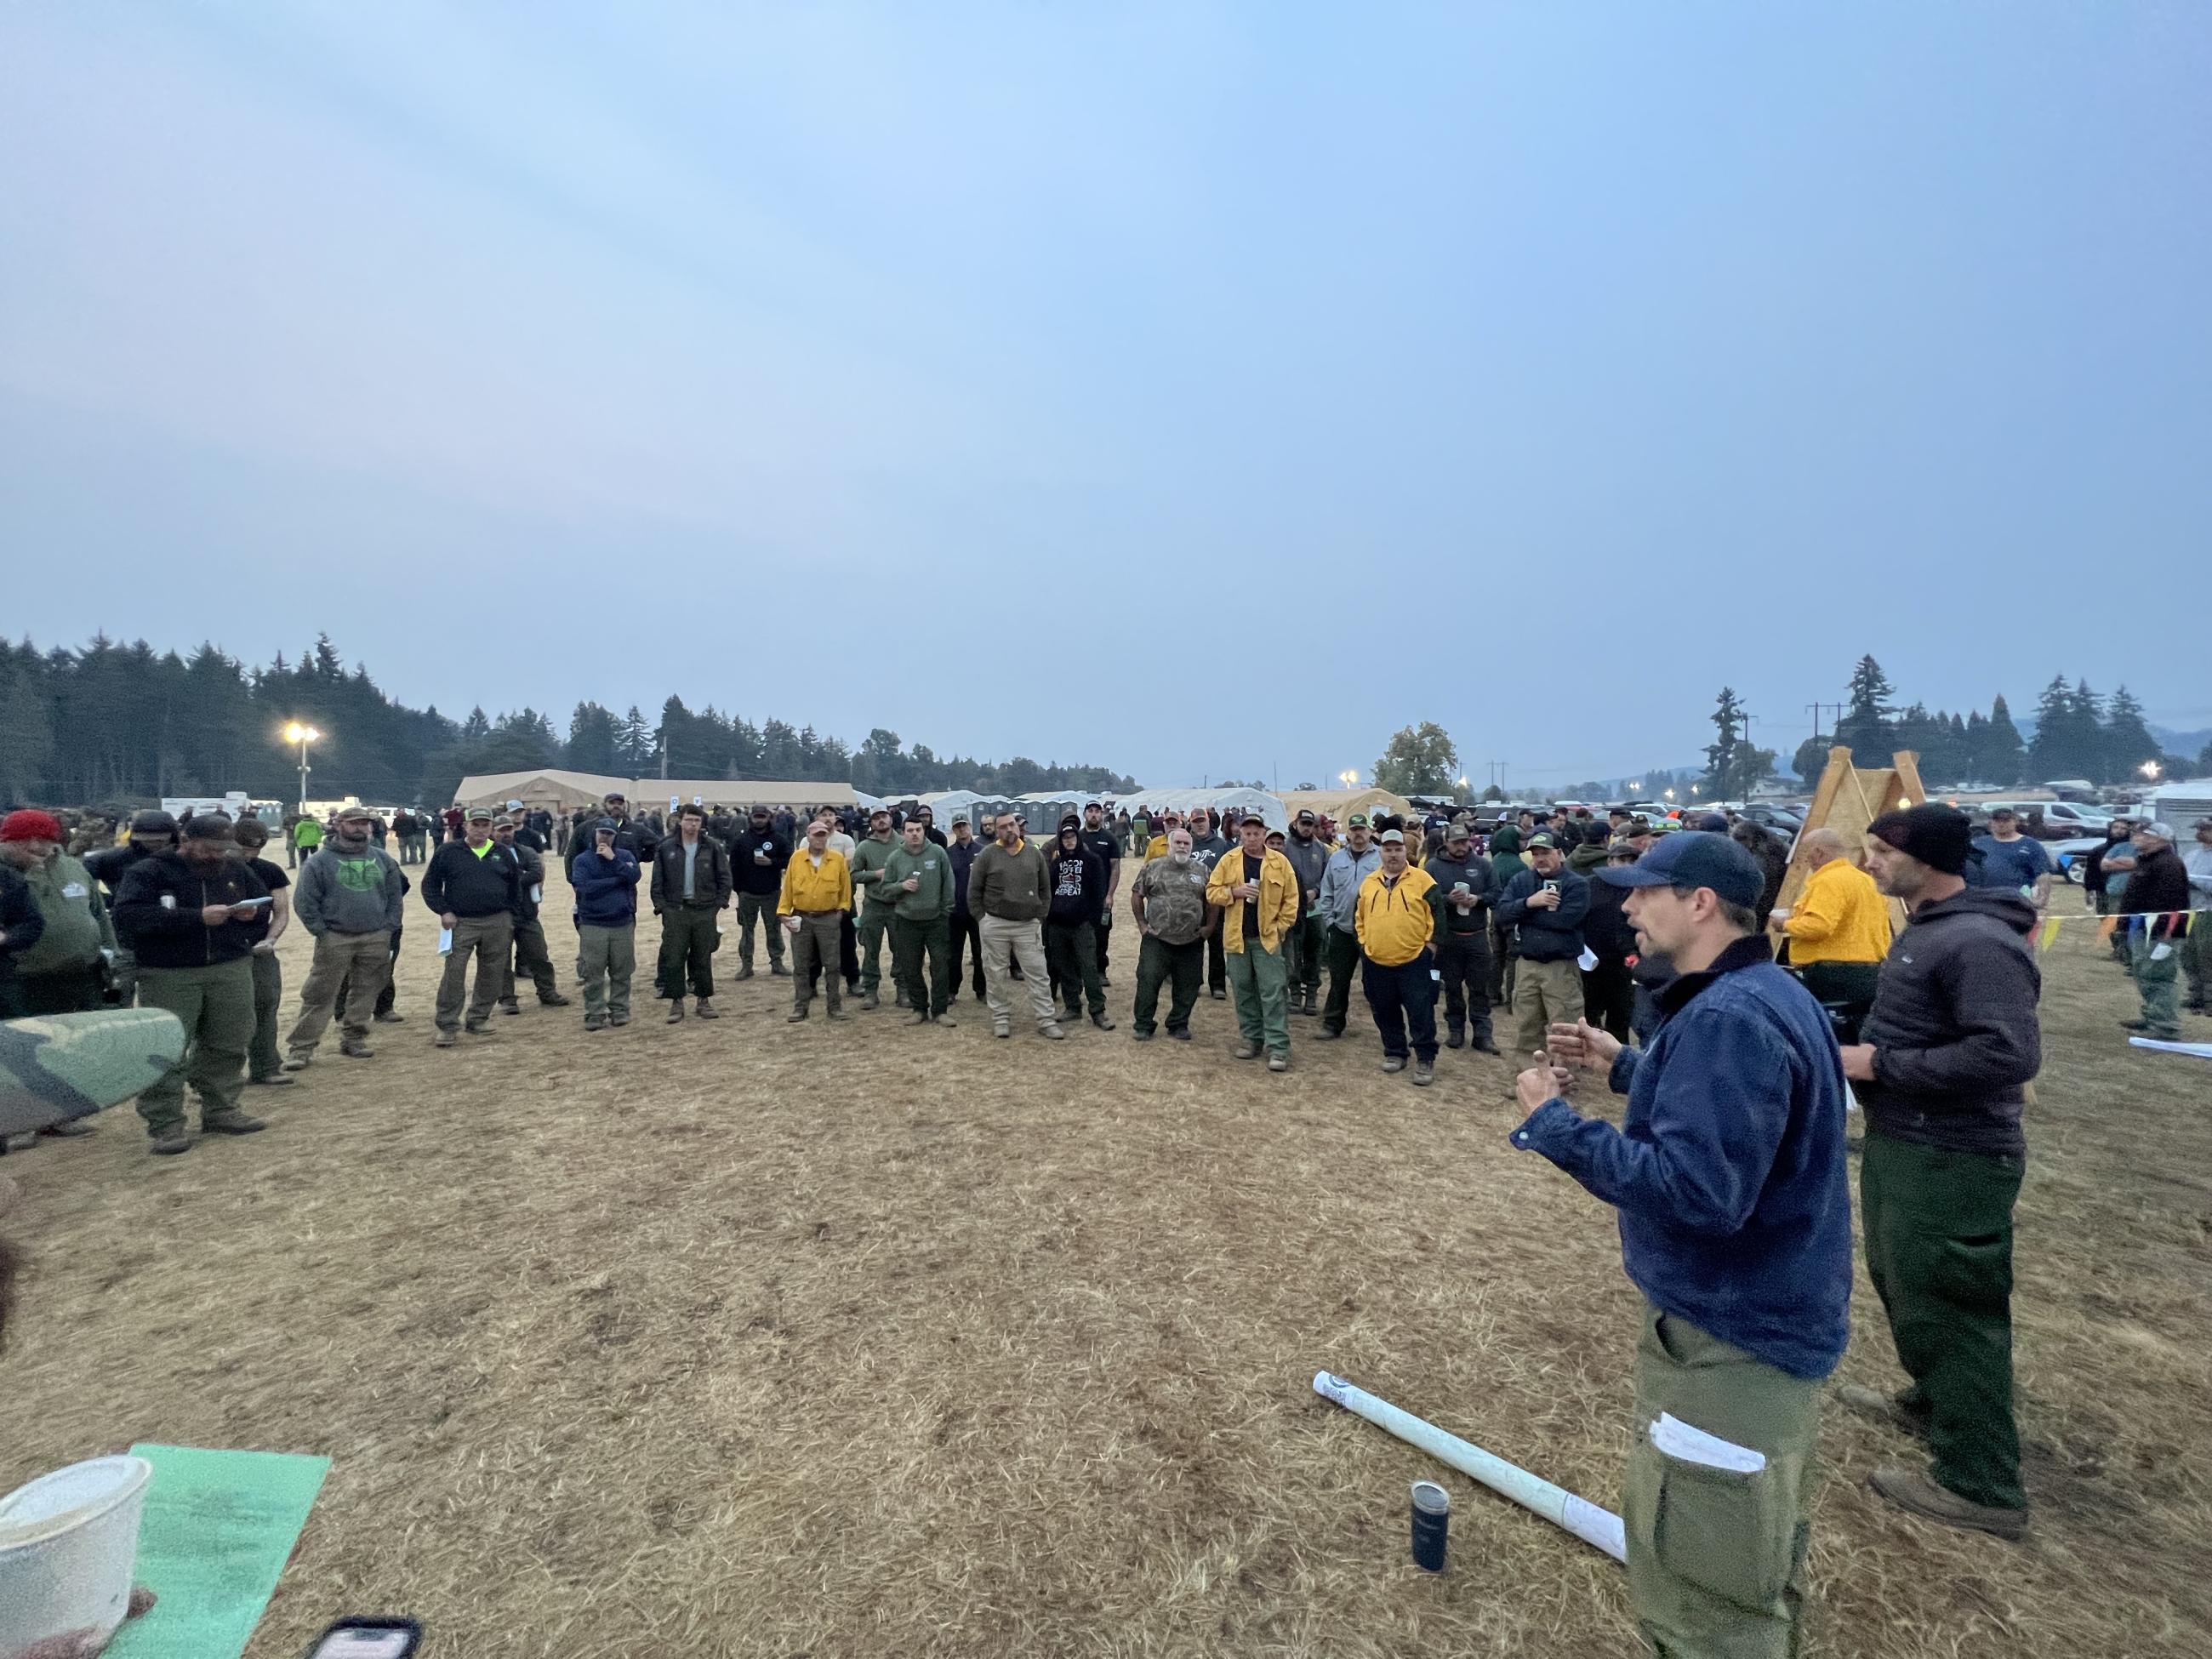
(502, 822)
(208, 826)
(1458, 831)
(153, 822)
(1713, 861)
(1067, 819)
(1540, 838)
(514, 806)
(1357, 821)
(1305, 815)
(479, 815)
(2158, 827)
(1389, 837)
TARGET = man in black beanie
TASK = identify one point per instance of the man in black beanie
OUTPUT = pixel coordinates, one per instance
(1950, 1041)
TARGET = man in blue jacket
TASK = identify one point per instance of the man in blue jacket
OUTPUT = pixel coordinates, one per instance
(605, 876)
(1727, 1172)
(1544, 905)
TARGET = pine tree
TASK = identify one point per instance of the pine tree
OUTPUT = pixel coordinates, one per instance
(2125, 743)
(1725, 759)
(1864, 728)
(2001, 756)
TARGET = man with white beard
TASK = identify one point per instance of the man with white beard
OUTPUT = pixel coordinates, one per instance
(1168, 899)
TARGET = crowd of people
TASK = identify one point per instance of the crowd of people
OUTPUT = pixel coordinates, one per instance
(1652, 957)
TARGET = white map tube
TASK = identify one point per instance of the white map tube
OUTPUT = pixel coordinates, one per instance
(1593, 1526)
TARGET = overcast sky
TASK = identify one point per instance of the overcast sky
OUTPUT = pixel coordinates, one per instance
(1198, 390)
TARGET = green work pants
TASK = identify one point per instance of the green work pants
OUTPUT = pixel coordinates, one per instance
(1938, 1228)
(2159, 980)
(1260, 981)
(1845, 990)
(1340, 950)
(606, 959)
(65, 991)
(911, 943)
(814, 952)
(490, 941)
(875, 921)
(1071, 957)
(2197, 960)
(1716, 1558)
(759, 908)
(262, 1059)
(1181, 967)
(215, 1005)
(688, 938)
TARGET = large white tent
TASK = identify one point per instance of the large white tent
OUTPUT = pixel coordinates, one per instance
(1270, 808)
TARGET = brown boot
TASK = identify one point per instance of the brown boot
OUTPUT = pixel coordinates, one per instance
(1916, 1492)
(706, 1010)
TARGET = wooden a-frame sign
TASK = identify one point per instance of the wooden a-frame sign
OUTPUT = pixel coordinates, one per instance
(1848, 799)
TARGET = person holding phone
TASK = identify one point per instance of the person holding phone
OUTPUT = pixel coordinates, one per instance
(1545, 906)
(187, 915)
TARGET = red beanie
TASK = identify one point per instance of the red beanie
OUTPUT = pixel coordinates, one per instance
(31, 825)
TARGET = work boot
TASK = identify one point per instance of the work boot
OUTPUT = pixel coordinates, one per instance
(1891, 1408)
(1327, 1036)
(838, 1012)
(794, 1016)
(444, 1040)
(481, 1030)
(1219, 995)
(1248, 1051)
(676, 1011)
(943, 1019)
(617, 1019)
(706, 1009)
(1484, 1044)
(507, 1005)
(745, 971)
(1917, 1492)
(355, 1048)
(1279, 1063)
(277, 1081)
(1141, 1037)
(2135, 1026)
(898, 999)
(1102, 1021)
(1394, 1062)
(921, 1019)
(553, 999)
(869, 1003)
(1180, 1033)
(387, 1017)
(1052, 1034)
(998, 1029)
(776, 970)
(1423, 1075)
(167, 1143)
(76, 1129)
(298, 1063)
(230, 1122)
(1455, 1037)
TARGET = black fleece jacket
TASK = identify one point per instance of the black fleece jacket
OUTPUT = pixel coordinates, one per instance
(1953, 1026)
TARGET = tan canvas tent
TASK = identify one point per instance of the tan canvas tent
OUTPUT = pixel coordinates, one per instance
(1340, 803)
(555, 791)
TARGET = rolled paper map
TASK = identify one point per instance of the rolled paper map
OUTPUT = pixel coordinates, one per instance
(59, 1066)
(1585, 1520)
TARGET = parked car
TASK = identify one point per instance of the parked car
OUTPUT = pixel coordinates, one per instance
(2071, 855)
(2060, 820)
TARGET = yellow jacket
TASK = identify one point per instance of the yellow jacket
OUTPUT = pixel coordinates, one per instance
(1279, 898)
(805, 888)
(1157, 847)
(1395, 922)
(1840, 916)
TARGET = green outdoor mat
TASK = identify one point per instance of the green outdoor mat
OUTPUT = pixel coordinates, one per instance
(218, 1530)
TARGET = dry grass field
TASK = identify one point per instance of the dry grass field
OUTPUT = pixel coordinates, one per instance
(754, 1339)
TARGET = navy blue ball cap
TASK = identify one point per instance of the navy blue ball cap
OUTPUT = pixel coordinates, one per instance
(1695, 860)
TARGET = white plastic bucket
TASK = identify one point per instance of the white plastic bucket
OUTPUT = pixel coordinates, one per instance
(68, 1543)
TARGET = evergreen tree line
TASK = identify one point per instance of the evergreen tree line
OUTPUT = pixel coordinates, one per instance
(2078, 734)
(116, 724)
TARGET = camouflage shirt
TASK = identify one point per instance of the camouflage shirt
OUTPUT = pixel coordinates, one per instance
(1174, 900)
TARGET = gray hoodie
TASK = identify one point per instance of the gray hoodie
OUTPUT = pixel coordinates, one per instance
(343, 892)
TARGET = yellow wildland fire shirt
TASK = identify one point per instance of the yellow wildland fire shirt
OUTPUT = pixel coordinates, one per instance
(1841, 916)
(807, 888)
(1279, 898)
(1395, 922)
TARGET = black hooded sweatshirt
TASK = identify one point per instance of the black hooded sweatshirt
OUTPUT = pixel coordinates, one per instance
(1953, 1026)
(1077, 877)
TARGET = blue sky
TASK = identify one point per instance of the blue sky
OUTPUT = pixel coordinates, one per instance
(1203, 390)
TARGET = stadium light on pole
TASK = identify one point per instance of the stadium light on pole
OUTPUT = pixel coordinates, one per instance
(2149, 770)
(1349, 779)
(302, 735)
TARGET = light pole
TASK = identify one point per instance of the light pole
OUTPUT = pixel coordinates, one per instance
(1463, 786)
(302, 735)
(1348, 778)
(2149, 770)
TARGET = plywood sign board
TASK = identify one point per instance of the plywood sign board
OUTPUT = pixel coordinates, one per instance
(1848, 799)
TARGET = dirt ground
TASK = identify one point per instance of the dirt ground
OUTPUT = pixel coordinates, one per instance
(865, 1340)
